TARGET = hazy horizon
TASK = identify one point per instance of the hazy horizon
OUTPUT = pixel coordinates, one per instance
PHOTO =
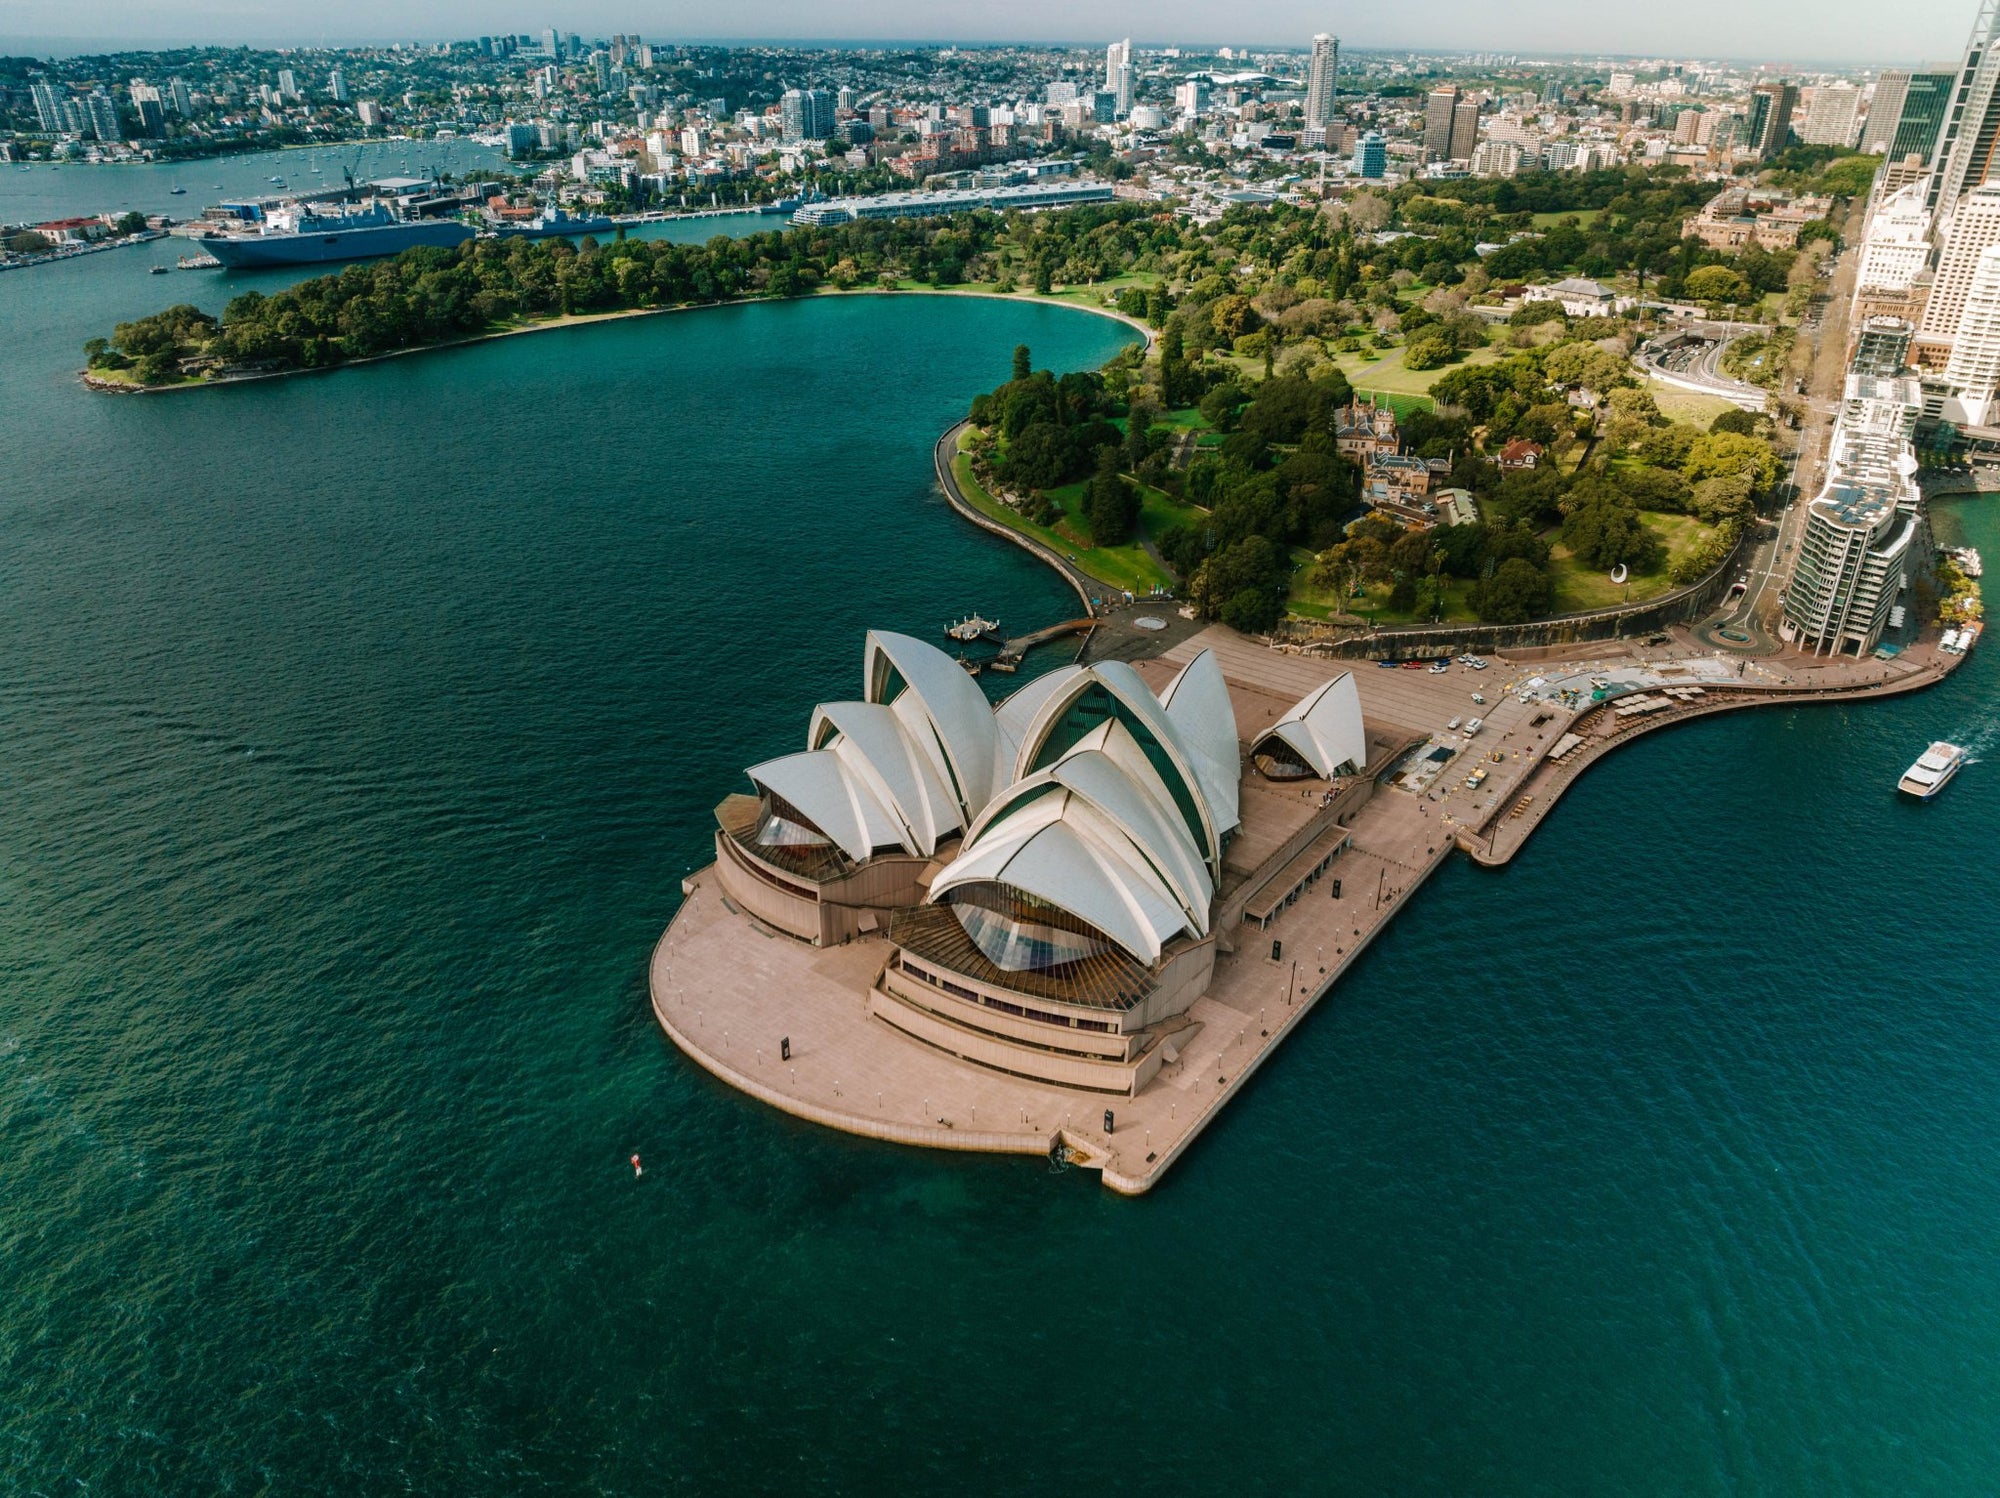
(1835, 32)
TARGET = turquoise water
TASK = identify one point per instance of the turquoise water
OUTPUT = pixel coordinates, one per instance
(358, 731)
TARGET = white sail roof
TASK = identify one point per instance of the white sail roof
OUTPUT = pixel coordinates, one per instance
(843, 806)
(944, 712)
(1197, 704)
(878, 750)
(1059, 847)
(1208, 812)
(1325, 728)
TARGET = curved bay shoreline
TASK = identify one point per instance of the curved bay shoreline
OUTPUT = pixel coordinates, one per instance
(106, 386)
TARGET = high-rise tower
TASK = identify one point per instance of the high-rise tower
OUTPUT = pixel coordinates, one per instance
(1964, 157)
(1321, 81)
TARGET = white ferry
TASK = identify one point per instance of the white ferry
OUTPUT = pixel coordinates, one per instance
(1932, 772)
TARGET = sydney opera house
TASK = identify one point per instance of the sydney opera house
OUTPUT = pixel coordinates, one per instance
(1053, 877)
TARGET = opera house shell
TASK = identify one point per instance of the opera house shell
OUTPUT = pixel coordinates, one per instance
(1046, 871)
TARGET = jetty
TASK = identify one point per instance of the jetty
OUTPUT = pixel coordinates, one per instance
(1011, 653)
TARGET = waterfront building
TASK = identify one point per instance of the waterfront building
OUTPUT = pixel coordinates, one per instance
(1077, 922)
(1322, 82)
(1057, 875)
(288, 84)
(102, 113)
(1964, 156)
(956, 200)
(1322, 737)
(1852, 560)
(840, 834)
(183, 101)
(48, 107)
(1972, 373)
(1860, 533)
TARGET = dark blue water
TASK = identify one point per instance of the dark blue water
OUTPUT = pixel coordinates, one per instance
(357, 732)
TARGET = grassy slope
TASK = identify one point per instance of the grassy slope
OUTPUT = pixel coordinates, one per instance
(1123, 567)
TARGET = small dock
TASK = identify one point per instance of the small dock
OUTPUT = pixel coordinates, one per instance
(1009, 658)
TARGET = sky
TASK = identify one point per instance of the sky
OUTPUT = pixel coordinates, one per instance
(1860, 32)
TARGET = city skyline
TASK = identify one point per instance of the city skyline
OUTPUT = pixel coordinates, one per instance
(1867, 35)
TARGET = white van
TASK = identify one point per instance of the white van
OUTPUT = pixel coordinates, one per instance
(1472, 728)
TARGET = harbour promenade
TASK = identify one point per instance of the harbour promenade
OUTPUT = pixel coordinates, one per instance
(1785, 682)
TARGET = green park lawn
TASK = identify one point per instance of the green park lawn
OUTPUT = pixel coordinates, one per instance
(1388, 375)
(1580, 588)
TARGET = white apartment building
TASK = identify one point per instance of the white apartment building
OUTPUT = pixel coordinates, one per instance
(1973, 371)
(1975, 228)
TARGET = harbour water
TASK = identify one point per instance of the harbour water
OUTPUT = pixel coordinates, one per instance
(358, 731)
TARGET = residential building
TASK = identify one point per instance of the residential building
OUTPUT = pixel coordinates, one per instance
(336, 86)
(806, 114)
(1519, 456)
(369, 112)
(181, 99)
(1974, 229)
(1190, 97)
(1119, 76)
(1855, 551)
(48, 107)
(102, 112)
(1834, 116)
(1770, 118)
(1322, 82)
(288, 83)
(1885, 110)
(1371, 156)
(1464, 129)
(1440, 109)
(1972, 373)
(1852, 562)
(1497, 158)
